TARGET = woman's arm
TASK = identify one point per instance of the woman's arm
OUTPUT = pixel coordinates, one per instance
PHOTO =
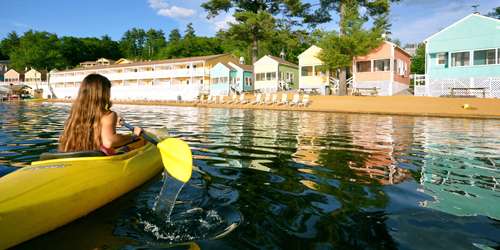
(109, 137)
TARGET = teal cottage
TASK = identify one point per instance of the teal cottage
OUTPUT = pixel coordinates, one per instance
(463, 59)
(230, 78)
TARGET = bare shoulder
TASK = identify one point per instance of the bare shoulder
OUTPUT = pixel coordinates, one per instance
(109, 118)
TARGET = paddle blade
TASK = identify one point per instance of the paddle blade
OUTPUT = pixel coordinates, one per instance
(177, 158)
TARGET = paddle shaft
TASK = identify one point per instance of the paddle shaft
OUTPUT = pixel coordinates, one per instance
(144, 135)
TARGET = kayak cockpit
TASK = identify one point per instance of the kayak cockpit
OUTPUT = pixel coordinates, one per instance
(58, 155)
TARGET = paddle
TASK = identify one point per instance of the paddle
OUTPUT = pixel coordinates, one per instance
(175, 155)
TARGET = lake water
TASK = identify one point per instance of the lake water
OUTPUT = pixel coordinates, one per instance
(300, 180)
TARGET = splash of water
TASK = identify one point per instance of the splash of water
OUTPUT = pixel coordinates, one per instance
(165, 202)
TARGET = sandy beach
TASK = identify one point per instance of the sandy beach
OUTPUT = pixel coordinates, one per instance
(388, 105)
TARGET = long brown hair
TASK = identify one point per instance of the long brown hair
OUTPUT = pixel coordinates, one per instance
(82, 130)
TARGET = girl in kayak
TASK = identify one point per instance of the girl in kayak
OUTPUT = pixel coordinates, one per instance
(91, 124)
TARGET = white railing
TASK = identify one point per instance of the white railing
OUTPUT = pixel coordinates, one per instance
(443, 87)
(161, 92)
(119, 76)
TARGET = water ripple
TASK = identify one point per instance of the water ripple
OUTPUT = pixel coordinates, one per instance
(302, 180)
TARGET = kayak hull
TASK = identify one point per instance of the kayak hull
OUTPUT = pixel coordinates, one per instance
(48, 194)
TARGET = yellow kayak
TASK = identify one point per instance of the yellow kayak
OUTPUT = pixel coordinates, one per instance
(48, 194)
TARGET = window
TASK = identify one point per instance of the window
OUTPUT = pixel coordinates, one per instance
(483, 57)
(442, 58)
(271, 76)
(460, 59)
(364, 66)
(319, 71)
(307, 71)
(381, 65)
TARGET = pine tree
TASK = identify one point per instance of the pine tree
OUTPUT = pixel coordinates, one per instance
(174, 36)
(254, 17)
(189, 33)
(495, 13)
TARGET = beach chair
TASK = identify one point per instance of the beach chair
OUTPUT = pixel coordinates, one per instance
(211, 99)
(257, 99)
(266, 100)
(284, 99)
(221, 100)
(273, 100)
(205, 101)
(242, 99)
(295, 100)
(305, 101)
(234, 99)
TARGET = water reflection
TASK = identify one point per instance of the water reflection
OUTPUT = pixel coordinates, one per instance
(309, 180)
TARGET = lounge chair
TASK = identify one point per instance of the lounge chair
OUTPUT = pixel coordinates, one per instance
(221, 99)
(234, 99)
(211, 99)
(295, 100)
(242, 99)
(266, 100)
(305, 101)
(284, 99)
(257, 99)
(274, 99)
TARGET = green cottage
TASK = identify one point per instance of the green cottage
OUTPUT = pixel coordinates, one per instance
(463, 59)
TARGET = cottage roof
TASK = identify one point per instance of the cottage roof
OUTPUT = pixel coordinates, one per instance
(399, 48)
(227, 66)
(308, 50)
(459, 21)
(282, 61)
(245, 67)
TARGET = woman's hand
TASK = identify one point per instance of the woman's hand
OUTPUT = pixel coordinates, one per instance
(137, 131)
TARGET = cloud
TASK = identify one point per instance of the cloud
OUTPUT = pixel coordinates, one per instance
(223, 24)
(162, 8)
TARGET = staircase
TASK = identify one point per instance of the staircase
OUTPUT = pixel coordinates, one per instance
(334, 84)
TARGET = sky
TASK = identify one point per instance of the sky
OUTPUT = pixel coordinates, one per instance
(412, 20)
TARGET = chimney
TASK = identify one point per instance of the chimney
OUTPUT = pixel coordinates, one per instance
(474, 7)
(282, 54)
(242, 60)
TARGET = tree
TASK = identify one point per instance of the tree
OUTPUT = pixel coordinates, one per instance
(253, 16)
(418, 60)
(495, 13)
(38, 50)
(292, 41)
(9, 44)
(73, 50)
(174, 36)
(132, 43)
(108, 48)
(155, 40)
(351, 40)
(189, 33)
(252, 28)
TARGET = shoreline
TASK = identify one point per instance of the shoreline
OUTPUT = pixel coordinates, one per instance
(378, 105)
